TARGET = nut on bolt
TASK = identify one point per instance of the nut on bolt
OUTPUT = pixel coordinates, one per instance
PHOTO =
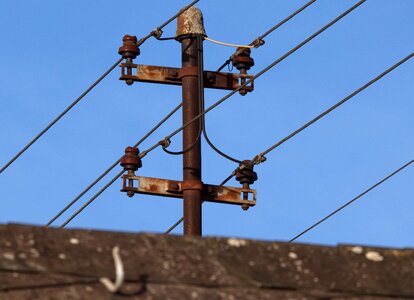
(243, 62)
(246, 176)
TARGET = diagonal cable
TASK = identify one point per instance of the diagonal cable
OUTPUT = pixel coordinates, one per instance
(259, 74)
(260, 156)
(113, 166)
(257, 42)
(283, 57)
(140, 42)
(60, 116)
(158, 31)
(273, 64)
(352, 201)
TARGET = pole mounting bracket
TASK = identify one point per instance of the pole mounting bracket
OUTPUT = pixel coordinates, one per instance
(173, 76)
(174, 189)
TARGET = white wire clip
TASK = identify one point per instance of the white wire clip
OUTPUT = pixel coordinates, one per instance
(119, 273)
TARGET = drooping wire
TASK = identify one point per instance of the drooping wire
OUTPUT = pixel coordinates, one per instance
(266, 69)
(257, 42)
(113, 166)
(280, 59)
(60, 116)
(351, 201)
(200, 87)
(333, 107)
(260, 73)
(261, 157)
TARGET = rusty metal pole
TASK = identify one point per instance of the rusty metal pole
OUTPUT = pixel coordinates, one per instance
(189, 26)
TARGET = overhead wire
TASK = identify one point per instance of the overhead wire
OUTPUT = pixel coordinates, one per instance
(155, 33)
(260, 73)
(261, 157)
(351, 201)
(258, 158)
(100, 177)
(254, 44)
(67, 109)
(280, 59)
(257, 42)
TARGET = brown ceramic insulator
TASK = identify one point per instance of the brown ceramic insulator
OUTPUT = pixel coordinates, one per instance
(129, 49)
(131, 159)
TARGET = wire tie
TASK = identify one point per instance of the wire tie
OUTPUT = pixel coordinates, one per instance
(119, 273)
(157, 33)
(259, 159)
(165, 143)
(258, 42)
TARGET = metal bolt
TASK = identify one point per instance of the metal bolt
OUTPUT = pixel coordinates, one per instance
(210, 77)
(175, 186)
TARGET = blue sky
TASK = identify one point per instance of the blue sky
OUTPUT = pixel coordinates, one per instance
(53, 50)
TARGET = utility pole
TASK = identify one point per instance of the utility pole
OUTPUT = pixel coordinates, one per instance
(190, 28)
(193, 79)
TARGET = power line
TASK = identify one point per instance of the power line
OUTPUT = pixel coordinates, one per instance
(260, 157)
(156, 33)
(92, 199)
(60, 115)
(260, 73)
(249, 81)
(177, 14)
(257, 42)
(113, 166)
(274, 146)
(353, 200)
